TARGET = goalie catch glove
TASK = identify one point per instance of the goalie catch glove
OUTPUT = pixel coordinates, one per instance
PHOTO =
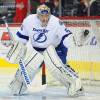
(16, 52)
(83, 38)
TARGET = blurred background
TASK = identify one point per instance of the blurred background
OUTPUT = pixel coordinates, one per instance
(17, 10)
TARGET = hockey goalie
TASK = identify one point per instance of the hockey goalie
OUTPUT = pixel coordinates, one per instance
(46, 34)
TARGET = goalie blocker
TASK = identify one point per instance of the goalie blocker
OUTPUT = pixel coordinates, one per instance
(33, 60)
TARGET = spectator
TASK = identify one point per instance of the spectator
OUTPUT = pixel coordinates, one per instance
(82, 8)
(88, 7)
(21, 10)
(50, 4)
(94, 8)
(56, 8)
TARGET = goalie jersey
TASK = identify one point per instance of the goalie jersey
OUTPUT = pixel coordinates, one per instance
(41, 37)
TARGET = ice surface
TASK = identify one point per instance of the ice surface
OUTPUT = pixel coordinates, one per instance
(46, 93)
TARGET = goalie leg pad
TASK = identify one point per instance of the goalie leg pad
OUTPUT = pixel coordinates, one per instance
(32, 62)
(64, 74)
(17, 87)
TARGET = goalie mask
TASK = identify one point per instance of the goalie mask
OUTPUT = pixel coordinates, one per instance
(43, 13)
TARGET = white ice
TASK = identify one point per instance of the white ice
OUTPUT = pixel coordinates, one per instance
(50, 93)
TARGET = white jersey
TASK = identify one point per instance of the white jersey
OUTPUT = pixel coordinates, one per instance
(42, 37)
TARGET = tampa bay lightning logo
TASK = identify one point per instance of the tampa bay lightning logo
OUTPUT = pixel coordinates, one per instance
(39, 37)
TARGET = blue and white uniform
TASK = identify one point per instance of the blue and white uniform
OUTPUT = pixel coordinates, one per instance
(46, 40)
(41, 37)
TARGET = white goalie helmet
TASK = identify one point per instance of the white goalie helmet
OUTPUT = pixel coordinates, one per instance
(43, 13)
(43, 10)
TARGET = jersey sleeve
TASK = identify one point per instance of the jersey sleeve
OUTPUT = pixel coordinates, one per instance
(22, 34)
(63, 31)
(69, 41)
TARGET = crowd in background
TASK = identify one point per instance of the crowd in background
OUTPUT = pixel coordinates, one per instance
(17, 10)
(87, 8)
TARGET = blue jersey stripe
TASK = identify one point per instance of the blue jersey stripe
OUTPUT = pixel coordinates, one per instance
(22, 36)
(62, 50)
(65, 36)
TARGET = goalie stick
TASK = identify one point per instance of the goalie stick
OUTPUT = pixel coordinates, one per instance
(22, 66)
